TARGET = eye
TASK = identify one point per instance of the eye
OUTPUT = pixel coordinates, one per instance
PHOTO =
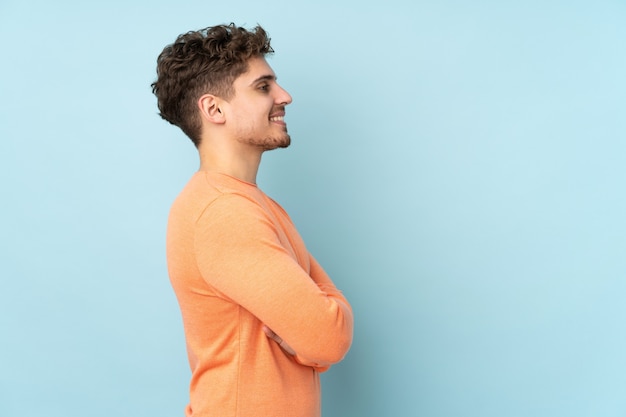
(264, 87)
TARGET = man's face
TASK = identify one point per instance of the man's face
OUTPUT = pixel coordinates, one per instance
(256, 111)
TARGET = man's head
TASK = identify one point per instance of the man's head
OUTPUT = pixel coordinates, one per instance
(254, 115)
(204, 62)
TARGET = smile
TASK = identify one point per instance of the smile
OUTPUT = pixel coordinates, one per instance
(277, 118)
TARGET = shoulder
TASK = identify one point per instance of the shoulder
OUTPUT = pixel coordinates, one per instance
(211, 195)
(230, 202)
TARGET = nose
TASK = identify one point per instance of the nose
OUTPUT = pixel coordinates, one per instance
(282, 97)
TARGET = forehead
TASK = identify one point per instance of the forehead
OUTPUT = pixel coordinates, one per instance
(258, 68)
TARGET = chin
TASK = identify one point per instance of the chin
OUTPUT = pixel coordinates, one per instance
(275, 143)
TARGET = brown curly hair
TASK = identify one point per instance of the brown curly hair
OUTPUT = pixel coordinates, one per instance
(205, 61)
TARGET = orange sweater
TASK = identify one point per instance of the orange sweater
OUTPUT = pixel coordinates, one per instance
(236, 262)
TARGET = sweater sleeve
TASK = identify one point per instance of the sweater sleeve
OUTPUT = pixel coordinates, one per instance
(324, 283)
(239, 253)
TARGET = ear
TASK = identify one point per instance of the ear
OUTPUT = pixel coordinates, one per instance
(209, 106)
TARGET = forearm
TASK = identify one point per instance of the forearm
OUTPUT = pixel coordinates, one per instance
(240, 255)
(336, 341)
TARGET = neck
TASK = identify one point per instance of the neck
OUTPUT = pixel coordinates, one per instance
(241, 163)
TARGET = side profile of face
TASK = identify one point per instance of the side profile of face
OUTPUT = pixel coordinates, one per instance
(255, 114)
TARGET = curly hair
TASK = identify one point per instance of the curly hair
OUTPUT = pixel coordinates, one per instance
(205, 61)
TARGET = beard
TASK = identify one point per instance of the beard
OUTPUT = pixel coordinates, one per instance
(268, 143)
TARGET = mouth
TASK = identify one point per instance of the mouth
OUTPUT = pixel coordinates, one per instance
(278, 117)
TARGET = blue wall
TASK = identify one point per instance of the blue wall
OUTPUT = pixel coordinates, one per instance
(458, 167)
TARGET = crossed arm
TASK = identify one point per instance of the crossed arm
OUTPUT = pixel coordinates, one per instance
(240, 253)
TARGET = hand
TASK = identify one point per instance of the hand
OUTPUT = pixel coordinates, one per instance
(278, 340)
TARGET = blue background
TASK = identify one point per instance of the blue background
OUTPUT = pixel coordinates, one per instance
(459, 169)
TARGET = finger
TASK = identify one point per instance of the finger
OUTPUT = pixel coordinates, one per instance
(287, 348)
(270, 333)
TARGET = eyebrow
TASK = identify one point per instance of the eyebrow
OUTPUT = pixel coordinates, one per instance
(268, 77)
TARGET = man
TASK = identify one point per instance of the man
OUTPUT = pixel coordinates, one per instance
(261, 317)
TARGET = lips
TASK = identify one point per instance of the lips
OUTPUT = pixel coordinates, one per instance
(278, 117)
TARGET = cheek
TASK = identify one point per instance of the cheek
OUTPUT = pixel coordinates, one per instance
(250, 114)
(246, 122)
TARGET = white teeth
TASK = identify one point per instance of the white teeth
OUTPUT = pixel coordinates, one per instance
(277, 118)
